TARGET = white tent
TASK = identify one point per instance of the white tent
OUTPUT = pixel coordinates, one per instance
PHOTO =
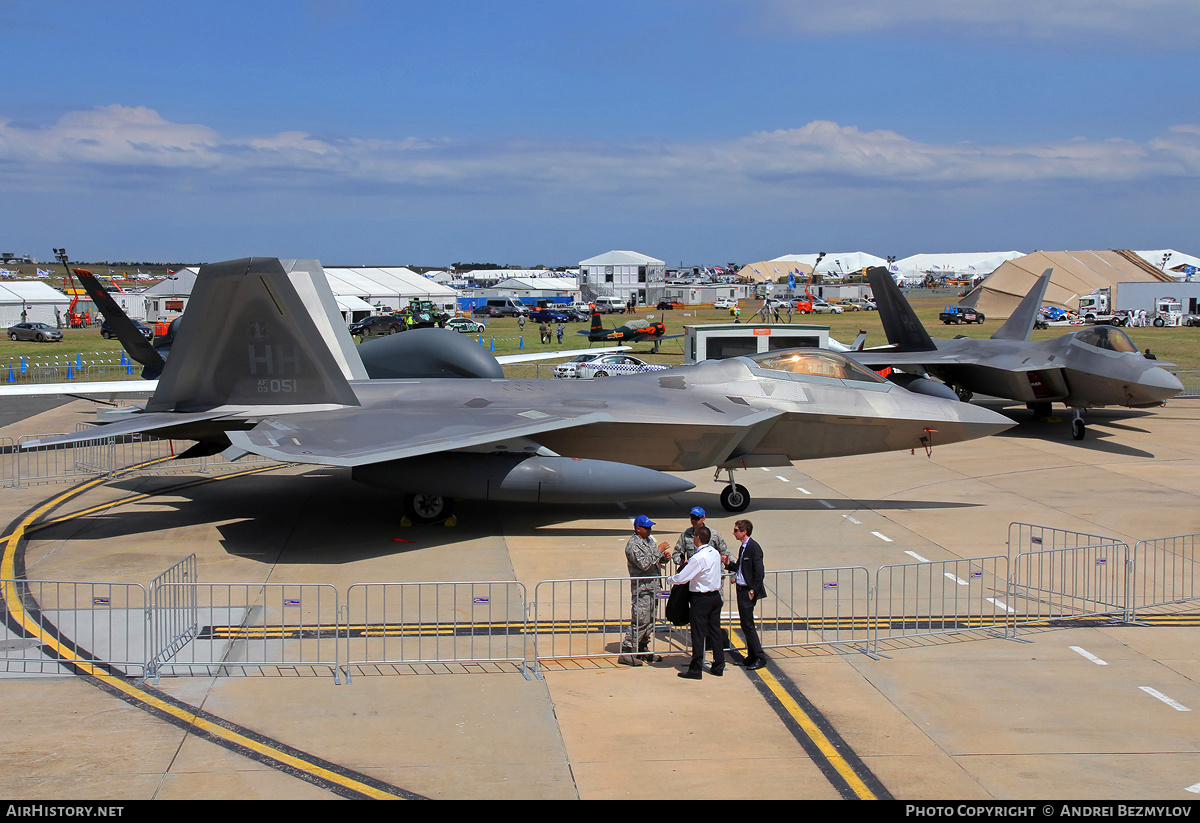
(955, 265)
(36, 299)
(834, 266)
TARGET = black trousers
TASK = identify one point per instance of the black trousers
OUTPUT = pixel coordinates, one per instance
(749, 630)
(706, 625)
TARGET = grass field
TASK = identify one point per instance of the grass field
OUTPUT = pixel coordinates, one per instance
(1180, 346)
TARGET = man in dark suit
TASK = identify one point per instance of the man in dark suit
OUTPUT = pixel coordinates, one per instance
(750, 589)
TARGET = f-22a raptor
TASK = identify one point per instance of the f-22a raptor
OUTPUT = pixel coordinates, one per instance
(263, 365)
(1094, 366)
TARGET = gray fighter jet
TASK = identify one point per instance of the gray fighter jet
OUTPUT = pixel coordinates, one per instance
(264, 365)
(1094, 366)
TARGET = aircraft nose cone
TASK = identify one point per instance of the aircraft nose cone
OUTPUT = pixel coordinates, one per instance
(1159, 384)
(977, 421)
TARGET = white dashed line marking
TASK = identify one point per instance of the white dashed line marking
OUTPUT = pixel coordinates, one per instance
(887, 539)
(1157, 695)
(806, 491)
(826, 504)
(852, 520)
(1088, 655)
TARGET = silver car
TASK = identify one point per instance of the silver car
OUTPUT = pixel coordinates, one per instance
(34, 331)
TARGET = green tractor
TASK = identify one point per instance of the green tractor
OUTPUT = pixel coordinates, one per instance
(424, 314)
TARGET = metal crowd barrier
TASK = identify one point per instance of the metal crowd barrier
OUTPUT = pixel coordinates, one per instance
(57, 623)
(1164, 572)
(590, 617)
(809, 607)
(185, 627)
(1027, 537)
(1057, 584)
(104, 455)
(940, 597)
(1190, 378)
(174, 614)
(389, 624)
(243, 626)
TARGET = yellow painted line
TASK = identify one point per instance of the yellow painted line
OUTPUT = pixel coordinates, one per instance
(812, 730)
(13, 603)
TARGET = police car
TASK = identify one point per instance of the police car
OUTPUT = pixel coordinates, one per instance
(611, 365)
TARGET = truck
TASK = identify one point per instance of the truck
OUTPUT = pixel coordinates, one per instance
(960, 314)
(1113, 305)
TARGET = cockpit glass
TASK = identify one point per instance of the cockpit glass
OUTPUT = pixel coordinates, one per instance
(815, 362)
(1107, 338)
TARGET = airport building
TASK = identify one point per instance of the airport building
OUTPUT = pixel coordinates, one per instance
(623, 274)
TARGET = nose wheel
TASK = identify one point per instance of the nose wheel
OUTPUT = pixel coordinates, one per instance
(1078, 430)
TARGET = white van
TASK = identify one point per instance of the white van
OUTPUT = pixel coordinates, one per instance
(610, 305)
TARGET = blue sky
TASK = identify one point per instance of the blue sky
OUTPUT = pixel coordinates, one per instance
(528, 132)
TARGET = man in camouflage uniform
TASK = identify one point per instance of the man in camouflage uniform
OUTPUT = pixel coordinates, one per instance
(685, 547)
(644, 559)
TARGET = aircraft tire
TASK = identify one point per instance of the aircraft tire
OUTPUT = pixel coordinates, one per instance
(735, 498)
(1078, 429)
(424, 509)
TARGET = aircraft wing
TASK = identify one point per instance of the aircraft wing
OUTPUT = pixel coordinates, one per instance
(1027, 361)
(81, 388)
(361, 436)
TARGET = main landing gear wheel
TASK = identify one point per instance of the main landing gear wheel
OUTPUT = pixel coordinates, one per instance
(1077, 428)
(424, 509)
(735, 498)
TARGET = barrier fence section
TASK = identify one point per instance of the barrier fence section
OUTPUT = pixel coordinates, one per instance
(391, 624)
(1023, 537)
(63, 622)
(105, 455)
(807, 607)
(590, 617)
(1164, 572)
(173, 617)
(1056, 584)
(8, 462)
(1190, 378)
(940, 597)
(250, 625)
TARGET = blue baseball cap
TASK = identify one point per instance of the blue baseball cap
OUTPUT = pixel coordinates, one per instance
(643, 522)
(698, 512)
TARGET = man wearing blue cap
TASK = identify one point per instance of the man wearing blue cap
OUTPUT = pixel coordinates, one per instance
(644, 559)
(685, 547)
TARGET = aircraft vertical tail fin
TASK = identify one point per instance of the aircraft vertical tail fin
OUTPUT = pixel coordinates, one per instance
(1019, 325)
(139, 348)
(258, 334)
(597, 326)
(900, 322)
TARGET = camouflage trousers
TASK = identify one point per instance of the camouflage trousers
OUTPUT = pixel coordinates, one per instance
(641, 621)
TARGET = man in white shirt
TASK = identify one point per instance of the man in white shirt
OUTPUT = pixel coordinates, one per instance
(703, 576)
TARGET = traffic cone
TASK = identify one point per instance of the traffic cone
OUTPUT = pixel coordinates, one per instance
(493, 344)
(70, 370)
(22, 364)
(11, 377)
(522, 342)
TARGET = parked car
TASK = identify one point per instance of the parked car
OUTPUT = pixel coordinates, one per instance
(725, 303)
(501, 307)
(611, 305)
(108, 334)
(549, 316)
(667, 305)
(823, 307)
(465, 325)
(377, 324)
(857, 304)
(610, 365)
(34, 331)
(569, 368)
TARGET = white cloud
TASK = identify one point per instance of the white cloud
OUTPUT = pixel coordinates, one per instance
(1162, 22)
(119, 141)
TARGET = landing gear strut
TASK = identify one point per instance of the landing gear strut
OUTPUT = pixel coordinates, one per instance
(734, 498)
(1077, 428)
(424, 509)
